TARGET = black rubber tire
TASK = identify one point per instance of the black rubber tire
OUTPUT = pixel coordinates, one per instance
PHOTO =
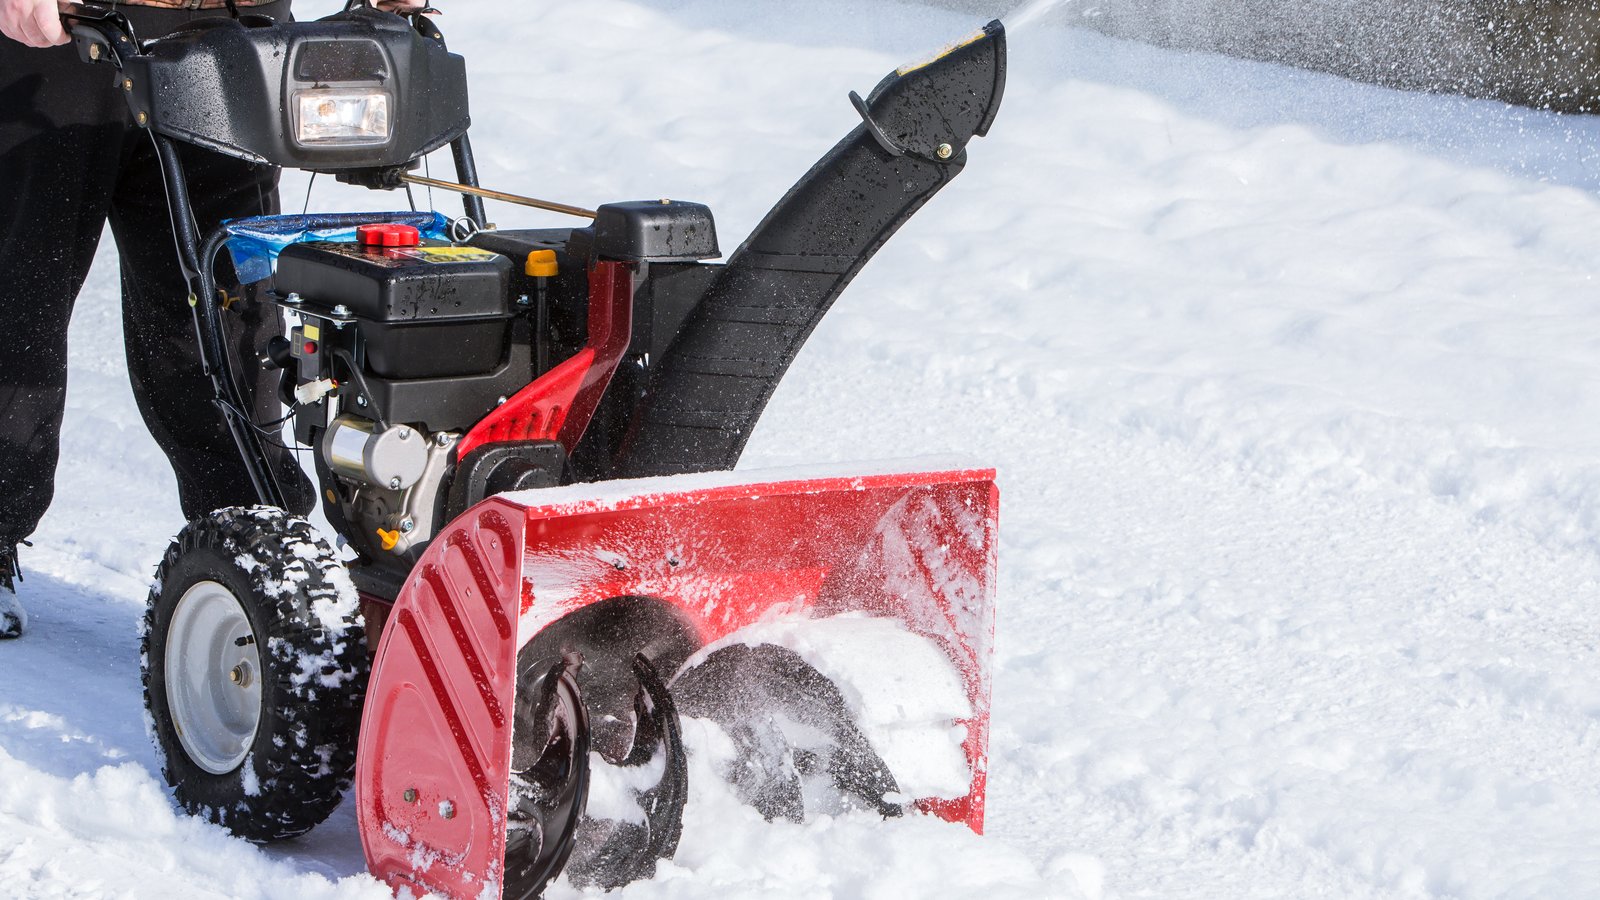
(305, 615)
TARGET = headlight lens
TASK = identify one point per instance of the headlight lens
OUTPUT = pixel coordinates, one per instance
(352, 117)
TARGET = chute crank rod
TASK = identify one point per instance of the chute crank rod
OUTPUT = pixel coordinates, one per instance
(578, 211)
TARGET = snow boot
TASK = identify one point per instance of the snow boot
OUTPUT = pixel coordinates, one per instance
(13, 618)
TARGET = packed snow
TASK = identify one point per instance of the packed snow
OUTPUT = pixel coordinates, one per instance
(1293, 386)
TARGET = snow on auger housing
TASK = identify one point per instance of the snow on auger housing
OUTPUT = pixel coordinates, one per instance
(472, 398)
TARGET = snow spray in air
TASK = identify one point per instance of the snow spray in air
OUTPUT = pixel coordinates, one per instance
(1032, 12)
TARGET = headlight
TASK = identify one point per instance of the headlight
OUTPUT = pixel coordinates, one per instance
(351, 116)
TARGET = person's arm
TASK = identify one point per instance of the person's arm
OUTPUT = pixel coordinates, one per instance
(400, 6)
(37, 23)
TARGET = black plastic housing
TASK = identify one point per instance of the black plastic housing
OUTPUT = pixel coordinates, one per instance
(453, 402)
(560, 311)
(423, 312)
(500, 467)
(229, 85)
(649, 231)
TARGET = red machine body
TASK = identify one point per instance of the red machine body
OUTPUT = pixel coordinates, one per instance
(560, 403)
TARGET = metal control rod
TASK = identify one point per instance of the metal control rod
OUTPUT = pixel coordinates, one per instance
(578, 211)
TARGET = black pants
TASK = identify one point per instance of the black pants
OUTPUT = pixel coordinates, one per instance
(70, 160)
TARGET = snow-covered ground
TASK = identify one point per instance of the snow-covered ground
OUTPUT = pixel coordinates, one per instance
(1293, 385)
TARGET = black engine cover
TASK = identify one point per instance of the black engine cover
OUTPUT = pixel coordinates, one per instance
(429, 311)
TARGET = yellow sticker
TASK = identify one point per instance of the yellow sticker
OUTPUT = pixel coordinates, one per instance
(450, 254)
(908, 68)
(312, 332)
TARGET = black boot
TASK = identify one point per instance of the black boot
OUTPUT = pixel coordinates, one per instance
(13, 618)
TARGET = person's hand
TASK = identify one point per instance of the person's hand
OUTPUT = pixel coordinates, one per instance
(401, 7)
(36, 23)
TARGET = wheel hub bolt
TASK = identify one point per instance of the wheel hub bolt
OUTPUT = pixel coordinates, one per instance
(240, 675)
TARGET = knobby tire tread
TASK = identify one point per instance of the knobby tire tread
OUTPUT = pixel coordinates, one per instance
(303, 758)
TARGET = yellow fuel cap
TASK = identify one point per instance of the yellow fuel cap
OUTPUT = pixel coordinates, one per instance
(541, 264)
(388, 538)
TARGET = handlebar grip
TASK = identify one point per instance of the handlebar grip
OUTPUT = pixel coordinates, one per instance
(98, 32)
(92, 43)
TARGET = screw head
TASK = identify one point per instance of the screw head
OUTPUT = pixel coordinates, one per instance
(127, 84)
(292, 298)
(410, 795)
(442, 439)
(394, 483)
(341, 310)
(944, 151)
(406, 524)
(94, 52)
(447, 809)
(143, 118)
(361, 401)
(404, 433)
(500, 402)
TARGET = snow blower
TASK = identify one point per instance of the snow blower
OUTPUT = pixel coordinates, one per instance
(549, 578)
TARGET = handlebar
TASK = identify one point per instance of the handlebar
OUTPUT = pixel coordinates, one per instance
(101, 34)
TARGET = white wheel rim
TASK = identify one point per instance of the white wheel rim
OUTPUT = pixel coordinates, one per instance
(213, 675)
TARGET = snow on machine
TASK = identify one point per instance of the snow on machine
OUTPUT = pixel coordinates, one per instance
(537, 591)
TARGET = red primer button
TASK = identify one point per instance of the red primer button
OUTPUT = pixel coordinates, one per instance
(388, 235)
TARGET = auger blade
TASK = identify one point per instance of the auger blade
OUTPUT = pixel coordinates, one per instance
(549, 779)
(613, 852)
(788, 723)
